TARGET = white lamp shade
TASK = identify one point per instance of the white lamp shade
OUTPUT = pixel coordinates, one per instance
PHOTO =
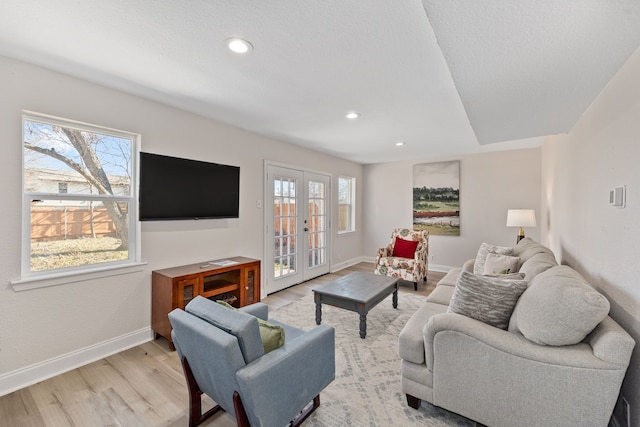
(521, 218)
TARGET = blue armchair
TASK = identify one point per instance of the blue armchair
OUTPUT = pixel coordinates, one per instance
(223, 356)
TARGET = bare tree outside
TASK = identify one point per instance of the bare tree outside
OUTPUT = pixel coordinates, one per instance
(79, 183)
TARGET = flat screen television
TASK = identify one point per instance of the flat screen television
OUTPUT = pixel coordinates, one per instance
(172, 188)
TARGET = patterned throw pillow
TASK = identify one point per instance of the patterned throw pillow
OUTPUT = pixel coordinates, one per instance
(488, 299)
(485, 249)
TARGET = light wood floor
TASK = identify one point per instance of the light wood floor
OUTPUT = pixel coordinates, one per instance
(142, 386)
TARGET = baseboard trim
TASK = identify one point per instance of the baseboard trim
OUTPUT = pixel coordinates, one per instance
(342, 265)
(432, 267)
(29, 375)
(440, 268)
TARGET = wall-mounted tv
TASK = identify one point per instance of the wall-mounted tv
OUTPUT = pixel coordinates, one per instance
(172, 188)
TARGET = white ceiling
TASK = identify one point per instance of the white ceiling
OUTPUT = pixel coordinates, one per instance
(447, 77)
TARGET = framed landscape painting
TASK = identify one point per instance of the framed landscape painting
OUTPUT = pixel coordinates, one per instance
(436, 197)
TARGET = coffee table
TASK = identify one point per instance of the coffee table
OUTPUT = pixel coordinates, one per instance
(358, 292)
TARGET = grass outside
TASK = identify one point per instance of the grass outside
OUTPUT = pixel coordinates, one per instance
(57, 254)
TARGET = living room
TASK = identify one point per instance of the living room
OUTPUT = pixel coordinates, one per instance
(566, 180)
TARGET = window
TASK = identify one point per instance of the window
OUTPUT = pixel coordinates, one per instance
(346, 204)
(79, 212)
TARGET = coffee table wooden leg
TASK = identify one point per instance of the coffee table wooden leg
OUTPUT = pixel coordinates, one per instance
(363, 325)
(395, 297)
(318, 309)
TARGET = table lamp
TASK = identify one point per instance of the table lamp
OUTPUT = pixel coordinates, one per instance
(521, 218)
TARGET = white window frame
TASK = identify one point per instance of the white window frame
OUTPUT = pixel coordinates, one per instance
(351, 202)
(37, 279)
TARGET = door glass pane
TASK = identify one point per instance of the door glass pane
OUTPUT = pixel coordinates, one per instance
(316, 223)
(284, 226)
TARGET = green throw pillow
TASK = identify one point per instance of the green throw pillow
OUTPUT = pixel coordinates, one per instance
(272, 336)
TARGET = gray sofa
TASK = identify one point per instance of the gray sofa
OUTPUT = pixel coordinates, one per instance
(560, 361)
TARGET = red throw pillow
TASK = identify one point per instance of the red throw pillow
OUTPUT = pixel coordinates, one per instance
(405, 248)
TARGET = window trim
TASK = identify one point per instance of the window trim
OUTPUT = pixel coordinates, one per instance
(55, 279)
(36, 279)
(352, 197)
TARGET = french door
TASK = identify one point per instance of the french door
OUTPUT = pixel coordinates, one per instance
(297, 218)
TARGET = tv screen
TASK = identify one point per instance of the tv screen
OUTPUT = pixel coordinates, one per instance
(172, 188)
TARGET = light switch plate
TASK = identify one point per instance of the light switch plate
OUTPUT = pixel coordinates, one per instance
(617, 197)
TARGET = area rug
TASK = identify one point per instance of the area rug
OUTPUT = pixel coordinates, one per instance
(366, 391)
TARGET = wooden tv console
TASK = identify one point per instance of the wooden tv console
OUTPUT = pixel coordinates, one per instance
(237, 282)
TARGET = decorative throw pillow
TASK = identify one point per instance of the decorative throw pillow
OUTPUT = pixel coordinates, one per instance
(404, 248)
(488, 299)
(500, 264)
(272, 336)
(508, 276)
(559, 308)
(485, 249)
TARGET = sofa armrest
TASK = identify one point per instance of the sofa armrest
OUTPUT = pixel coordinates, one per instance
(579, 355)
(258, 309)
(301, 368)
(611, 343)
(421, 254)
(384, 252)
(468, 265)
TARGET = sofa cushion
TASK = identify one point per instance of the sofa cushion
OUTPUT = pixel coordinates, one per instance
(488, 299)
(441, 295)
(411, 338)
(397, 263)
(450, 278)
(500, 264)
(484, 250)
(272, 336)
(537, 264)
(241, 325)
(559, 308)
(405, 248)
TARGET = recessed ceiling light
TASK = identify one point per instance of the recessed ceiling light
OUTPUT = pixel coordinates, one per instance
(399, 144)
(238, 45)
(352, 115)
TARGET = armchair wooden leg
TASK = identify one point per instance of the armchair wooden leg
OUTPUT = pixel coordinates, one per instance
(413, 401)
(415, 286)
(305, 413)
(243, 420)
(241, 414)
(196, 417)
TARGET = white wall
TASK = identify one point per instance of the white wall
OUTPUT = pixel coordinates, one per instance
(490, 183)
(602, 242)
(44, 328)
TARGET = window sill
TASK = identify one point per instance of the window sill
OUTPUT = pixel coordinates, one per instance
(345, 233)
(36, 282)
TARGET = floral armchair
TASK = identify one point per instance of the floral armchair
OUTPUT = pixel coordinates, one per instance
(405, 257)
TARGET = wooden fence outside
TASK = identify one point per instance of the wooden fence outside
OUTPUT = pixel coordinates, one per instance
(49, 223)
